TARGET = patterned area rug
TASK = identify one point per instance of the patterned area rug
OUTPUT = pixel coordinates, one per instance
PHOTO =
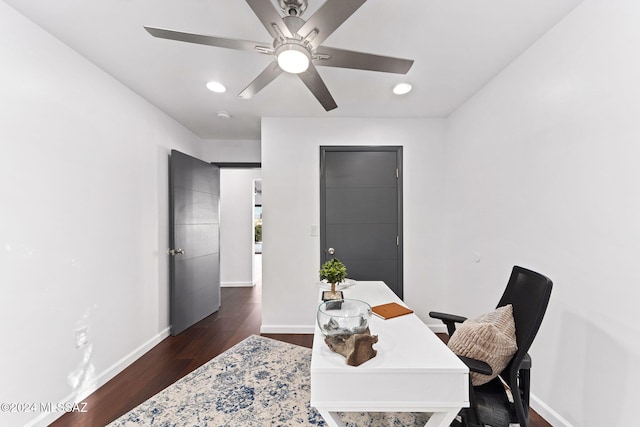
(259, 382)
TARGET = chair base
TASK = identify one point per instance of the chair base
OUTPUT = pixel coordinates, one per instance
(493, 404)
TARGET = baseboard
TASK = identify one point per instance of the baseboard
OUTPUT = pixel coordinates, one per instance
(101, 379)
(545, 411)
(237, 284)
(287, 329)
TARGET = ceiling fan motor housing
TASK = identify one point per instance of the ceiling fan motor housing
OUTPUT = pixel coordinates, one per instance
(293, 7)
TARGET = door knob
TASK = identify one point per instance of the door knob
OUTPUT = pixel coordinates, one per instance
(175, 252)
(331, 251)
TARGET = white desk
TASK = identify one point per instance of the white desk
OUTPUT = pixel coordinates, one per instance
(414, 371)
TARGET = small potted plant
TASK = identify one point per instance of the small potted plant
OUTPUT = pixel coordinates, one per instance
(334, 272)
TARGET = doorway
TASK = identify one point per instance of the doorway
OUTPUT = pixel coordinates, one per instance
(257, 230)
(237, 218)
(361, 211)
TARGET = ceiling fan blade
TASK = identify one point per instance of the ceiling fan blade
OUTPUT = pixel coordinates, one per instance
(361, 61)
(245, 45)
(269, 16)
(263, 79)
(314, 82)
(328, 18)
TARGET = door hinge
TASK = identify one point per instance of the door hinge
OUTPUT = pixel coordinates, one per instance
(397, 240)
(397, 173)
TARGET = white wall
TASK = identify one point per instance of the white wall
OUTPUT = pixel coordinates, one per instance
(240, 151)
(291, 195)
(83, 220)
(236, 226)
(543, 172)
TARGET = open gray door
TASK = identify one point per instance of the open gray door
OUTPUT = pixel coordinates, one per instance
(361, 211)
(194, 196)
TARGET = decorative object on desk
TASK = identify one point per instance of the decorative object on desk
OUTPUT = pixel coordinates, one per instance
(356, 348)
(333, 271)
(390, 310)
(343, 317)
(332, 296)
(345, 324)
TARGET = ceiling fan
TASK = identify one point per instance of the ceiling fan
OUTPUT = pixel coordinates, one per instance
(297, 44)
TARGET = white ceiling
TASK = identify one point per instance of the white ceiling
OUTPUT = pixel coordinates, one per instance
(457, 45)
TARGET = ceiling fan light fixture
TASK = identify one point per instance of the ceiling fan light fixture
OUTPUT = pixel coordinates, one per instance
(402, 88)
(216, 87)
(293, 58)
(297, 45)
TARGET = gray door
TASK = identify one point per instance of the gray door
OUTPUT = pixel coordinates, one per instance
(361, 211)
(194, 196)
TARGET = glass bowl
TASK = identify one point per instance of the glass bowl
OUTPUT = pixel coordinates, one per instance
(343, 317)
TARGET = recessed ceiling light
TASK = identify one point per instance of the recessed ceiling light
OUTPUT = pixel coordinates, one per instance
(216, 87)
(402, 88)
(223, 115)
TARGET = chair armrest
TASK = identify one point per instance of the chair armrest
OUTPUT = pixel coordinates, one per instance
(448, 319)
(476, 365)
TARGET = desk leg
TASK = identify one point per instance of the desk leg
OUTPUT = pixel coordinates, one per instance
(442, 419)
(331, 418)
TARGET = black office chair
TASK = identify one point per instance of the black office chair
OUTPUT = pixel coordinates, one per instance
(528, 292)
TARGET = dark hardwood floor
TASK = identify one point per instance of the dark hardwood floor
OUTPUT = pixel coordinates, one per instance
(238, 318)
